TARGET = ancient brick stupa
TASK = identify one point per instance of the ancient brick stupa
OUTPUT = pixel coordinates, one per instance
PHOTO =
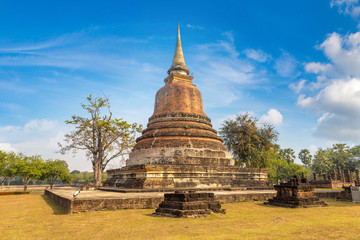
(179, 148)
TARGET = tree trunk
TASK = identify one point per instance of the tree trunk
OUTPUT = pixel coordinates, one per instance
(97, 174)
(3, 181)
(26, 181)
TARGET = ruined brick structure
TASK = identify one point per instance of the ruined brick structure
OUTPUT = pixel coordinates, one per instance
(334, 181)
(179, 148)
(296, 193)
(188, 204)
(345, 195)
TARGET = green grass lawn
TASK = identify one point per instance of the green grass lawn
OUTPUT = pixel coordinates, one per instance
(36, 217)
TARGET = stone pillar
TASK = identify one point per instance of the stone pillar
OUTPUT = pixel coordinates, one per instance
(315, 176)
(334, 177)
(357, 177)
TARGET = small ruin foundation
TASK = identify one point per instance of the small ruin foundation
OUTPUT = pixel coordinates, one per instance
(296, 193)
(188, 204)
(345, 195)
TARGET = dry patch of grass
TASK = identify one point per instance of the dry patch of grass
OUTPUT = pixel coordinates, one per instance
(36, 217)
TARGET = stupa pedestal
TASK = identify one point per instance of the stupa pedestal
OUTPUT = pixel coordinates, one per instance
(188, 204)
(295, 193)
(179, 148)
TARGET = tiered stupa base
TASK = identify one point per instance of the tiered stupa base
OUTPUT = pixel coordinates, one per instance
(185, 176)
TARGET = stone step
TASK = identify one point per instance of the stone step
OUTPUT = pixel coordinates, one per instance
(201, 204)
(169, 212)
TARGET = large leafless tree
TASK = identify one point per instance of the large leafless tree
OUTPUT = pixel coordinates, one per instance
(101, 135)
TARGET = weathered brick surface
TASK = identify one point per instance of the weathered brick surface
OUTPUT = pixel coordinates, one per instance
(65, 203)
(188, 204)
(178, 97)
(345, 195)
(296, 193)
(186, 176)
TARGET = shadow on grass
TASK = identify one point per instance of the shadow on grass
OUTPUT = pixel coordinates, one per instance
(329, 201)
(151, 215)
(56, 208)
(265, 204)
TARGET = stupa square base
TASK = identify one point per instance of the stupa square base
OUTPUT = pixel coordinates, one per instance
(186, 176)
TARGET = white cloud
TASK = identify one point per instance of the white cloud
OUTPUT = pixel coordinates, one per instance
(273, 117)
(341, 96)
(297, 87)
(257, 55)
(41, 137)
(343, 52)
(286, 65)
(194, 26)
(347, 7)
(39, 125)
(7, 147)
(337, 95)
(79, 51)
(316, 67)
(313, 149)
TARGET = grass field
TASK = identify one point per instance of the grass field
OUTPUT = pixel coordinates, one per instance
(36, 217)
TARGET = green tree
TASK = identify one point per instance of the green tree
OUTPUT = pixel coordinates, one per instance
(283, 167)
(75, 172)
(54, 170)
(322, 163)
(305, 157)
(354, 162)
(251, 145)
(340, 155)
(4, 166)
(29, 168)
(100, 135)
(288, 154)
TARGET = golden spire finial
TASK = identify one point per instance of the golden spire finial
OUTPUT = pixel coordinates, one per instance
(178, 63)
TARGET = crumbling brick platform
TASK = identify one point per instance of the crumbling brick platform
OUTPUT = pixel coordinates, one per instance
(296, 193)
(345, 195)
(109, 200)
(188, 204)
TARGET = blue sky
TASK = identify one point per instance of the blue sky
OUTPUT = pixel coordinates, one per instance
(295, 64)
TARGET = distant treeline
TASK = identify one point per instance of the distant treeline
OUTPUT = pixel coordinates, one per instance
(19, 169)
(325, 160)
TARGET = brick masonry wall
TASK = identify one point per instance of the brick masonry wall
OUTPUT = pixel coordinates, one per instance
(329, 194)
(65, 203)
(98, 204)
